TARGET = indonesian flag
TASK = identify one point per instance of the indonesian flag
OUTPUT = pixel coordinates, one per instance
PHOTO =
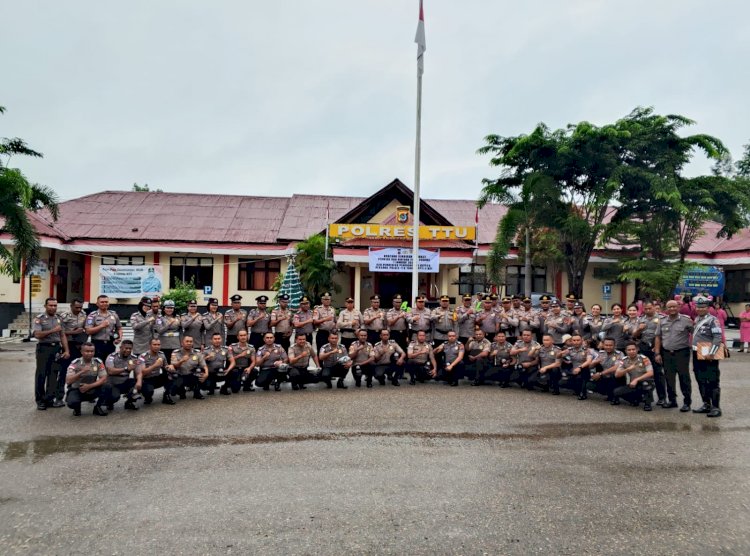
(420, 40)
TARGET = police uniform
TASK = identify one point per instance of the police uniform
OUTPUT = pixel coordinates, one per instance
(143, 331)
(707, 338)
(235, 320)
(362, 356)
(591, 327)
(502, 365)
(466, 320)
(527, 319)
(325, 316)
(348, 323)
(526, 353)
(385, 356)
(281, 317)
(269, 373)
(261, 319)
(614, 327)
(450, 352)
(420, 319)
(541, 316)
(507, 320)
(605, 384)
(70, 322)
(122, 381)
(479, 367)
(168, 331)
(551, 377)
(443, 321)
(188, 372)
(304, 316)
(576, 358)
(93, 371)
(374, 321)
(191, 325)
(299, 372)
(675, 353)
(637, 367)
(648, 345)
(397, 325)
(156, 378)
(333, 365)
(419, 364)
(48, 350)
(243, 365)
(212, 323)
(486, 320)
(557, 326)
(217, 360)
(103, 340)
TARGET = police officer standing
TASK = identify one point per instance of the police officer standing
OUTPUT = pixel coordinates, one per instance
(465, 318)
(303, 320)
(675, 355)
(281, 321)
(324, 318)
(443, 322)
(191, 323)
(259, 321)
(397, 325)
(104, 327)
(213, 321)
(142, 322)
(486, 319)
(706, 345)
(235, 319)
(349, 321)
(649, 344)
(53, 345)
(374, 320)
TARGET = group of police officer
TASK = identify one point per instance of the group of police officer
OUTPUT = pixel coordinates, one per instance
(490, 340)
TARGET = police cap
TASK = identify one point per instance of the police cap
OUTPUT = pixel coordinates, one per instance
(236, 297)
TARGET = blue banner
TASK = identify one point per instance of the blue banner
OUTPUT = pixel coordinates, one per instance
(704, 279)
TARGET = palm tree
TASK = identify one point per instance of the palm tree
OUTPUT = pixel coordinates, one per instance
(17, 196)
(315, 270)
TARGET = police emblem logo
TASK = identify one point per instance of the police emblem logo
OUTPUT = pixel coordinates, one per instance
(195, 358)
(402, 214)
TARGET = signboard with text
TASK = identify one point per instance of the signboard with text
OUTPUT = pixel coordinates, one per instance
(130, 280)
(383, 231)
(390, 259)
(702, 279)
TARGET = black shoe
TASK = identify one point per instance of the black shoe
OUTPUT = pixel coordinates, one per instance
(369, 383)
(266, 388)
(647, 407)
(685, 408)
(475, 383)
(454, 383)
(99, 410)
(381, 381)
(277, 387)
(358, 383)
(583, 396)
(715, 412)
(211, 392)
(555, 392)
(225, 392)
(295, 386)
(328, 385)
(77, 412)
(198, 396)
(183, 396)
(395, 382)
(412, 381)
(504, 385)
(661, 401)
(669, 405)
(110, 407)
(58, 403)
(302, 387)
(614, 402)
(41, 406)
(705, 408)
(148, 401)
(248, 389)
(130, 404)
(340, 384)
(167, 400)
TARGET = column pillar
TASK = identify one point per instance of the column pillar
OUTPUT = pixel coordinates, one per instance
(357, 286)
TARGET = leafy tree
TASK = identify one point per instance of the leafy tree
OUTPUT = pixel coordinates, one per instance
(316, 271)
(145, 187)
(18, 195)
(743, 164)
(181, 294)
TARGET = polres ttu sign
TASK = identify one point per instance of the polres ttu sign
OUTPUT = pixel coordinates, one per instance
(383, 231)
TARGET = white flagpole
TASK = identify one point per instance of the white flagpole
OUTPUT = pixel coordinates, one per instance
(421, 47)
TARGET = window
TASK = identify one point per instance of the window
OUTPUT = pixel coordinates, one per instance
(123, 259)
(200, 269)
(737, 286)
(472, 278)
(515, 277)
(257, 275)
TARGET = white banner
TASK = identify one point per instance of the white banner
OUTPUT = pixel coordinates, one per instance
(130, 280)
(394, 259)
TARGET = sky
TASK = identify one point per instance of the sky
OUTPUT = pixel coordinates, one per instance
(274, 98)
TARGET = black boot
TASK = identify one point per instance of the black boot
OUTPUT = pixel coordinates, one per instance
(340, 384)
(328, 383)
(197, 394)
(100, 411)
(705, 408)
(224, 391)
(715, 399)
(167, 399)
(130, 404)
(276, 385)
(76, 410)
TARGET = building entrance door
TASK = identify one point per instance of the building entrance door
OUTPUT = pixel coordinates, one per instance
(388, 284)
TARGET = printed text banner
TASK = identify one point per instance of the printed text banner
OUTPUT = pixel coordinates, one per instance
(378, 231)
(390, 259)
(130, 280)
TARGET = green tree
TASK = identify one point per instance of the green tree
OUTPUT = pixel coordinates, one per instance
(743, 164)
(316, 271)
(17, 196)
(145, 187)
(181, 293)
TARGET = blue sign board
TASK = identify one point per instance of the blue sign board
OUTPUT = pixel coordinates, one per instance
(207, 290)
(607, 289)
(704, 279)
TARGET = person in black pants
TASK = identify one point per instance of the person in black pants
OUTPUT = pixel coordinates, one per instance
(52, 346)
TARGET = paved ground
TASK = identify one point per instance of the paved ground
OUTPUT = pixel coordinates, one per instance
(420, 470)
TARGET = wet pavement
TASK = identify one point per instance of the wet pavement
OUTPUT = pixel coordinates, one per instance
(421, 470)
